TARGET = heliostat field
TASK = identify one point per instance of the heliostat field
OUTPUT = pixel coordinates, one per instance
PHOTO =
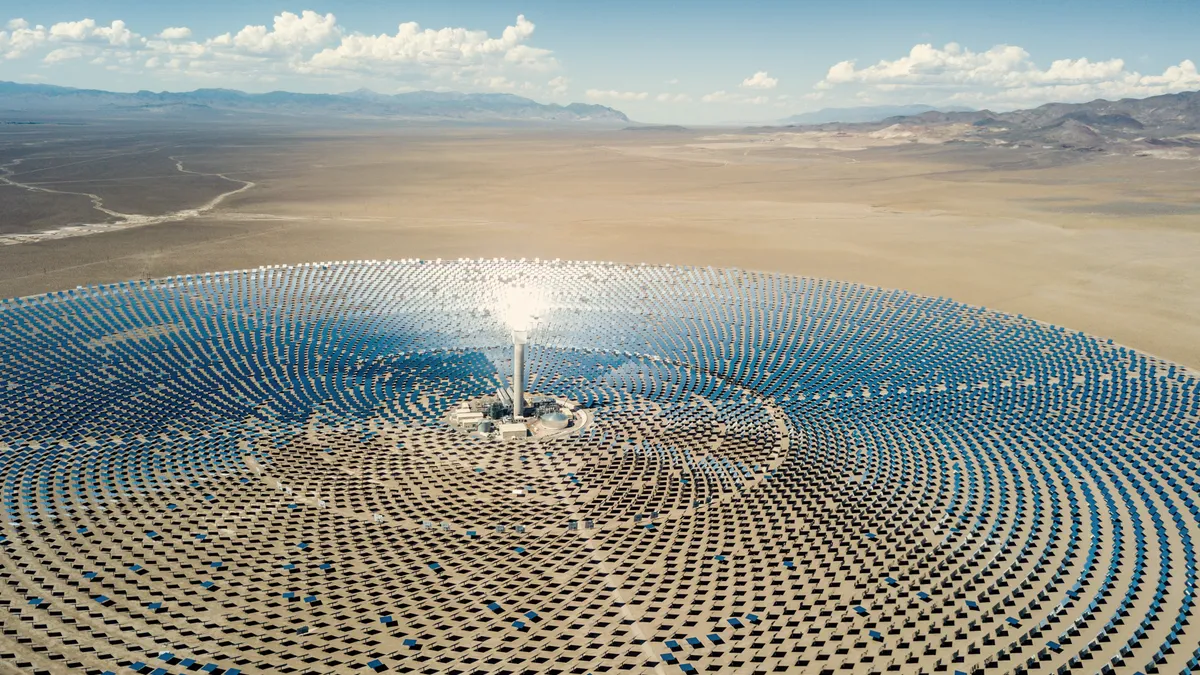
(252, 471)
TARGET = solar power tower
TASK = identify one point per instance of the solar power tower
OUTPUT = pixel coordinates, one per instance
(520, 338)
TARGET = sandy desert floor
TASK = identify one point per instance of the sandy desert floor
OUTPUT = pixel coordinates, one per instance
(1106, 245)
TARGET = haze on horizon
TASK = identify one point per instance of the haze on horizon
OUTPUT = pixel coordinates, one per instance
(716, 62)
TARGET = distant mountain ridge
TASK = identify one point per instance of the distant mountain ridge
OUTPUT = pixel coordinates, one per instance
(1163, 125)
(873, 113)
(363, 103)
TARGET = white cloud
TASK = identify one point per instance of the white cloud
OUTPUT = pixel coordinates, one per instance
(181, 49)
(1182, 76)
(504, 84)
(611, 95)
(723, 96)
(62, 54)
(501, 83)
(176, 33)
(289, 32)
(673, 98)
(1002, 75)
(760, 80)
(88, 38)
(20, 38)
(559, 85)
(116, 33)
(304, 44)
(73, 30)
(449, 48)
(673, 80)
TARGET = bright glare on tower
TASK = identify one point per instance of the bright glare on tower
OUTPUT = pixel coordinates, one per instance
(521, 307)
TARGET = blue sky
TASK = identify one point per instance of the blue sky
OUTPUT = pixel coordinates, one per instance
(688, 62)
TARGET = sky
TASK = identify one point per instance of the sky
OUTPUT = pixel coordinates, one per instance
(704, 61)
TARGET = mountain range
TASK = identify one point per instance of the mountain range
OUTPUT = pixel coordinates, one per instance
(362, 104)
(1164, 125)
(872, 113)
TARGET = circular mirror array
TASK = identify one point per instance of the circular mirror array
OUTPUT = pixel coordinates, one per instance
(253, 471)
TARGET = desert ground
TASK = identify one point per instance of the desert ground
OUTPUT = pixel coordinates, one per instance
(1104, 244)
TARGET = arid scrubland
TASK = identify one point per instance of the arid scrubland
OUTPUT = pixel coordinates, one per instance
(1109, 245)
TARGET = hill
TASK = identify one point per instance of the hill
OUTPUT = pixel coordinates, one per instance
(1167, 125)
(419, 105)
(862, 114)
(657, 127)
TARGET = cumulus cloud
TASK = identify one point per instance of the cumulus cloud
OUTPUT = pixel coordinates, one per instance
(1175, 78)
(307, 43)
(611, 95)
(1004, 74)
(760, 80)
(501, 83)
(673, 98)
(455, 48)
(62, 54)
(559, 85)
(116, 33)
(289, 32)
(176, 33)
(21, 38)
(723, 96)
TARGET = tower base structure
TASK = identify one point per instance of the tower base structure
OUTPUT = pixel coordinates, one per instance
(494, 417)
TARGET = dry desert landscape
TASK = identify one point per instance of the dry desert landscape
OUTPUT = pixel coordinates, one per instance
(1106, 244)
